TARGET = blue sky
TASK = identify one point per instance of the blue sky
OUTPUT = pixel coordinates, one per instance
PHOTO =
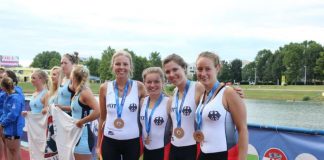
(232, 28)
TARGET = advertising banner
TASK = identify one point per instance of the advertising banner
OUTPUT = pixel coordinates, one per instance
(9, 61)
(273, 143)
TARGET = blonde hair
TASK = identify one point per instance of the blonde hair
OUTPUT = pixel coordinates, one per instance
(210, 55)
(126, 54)
(150, 70)
(80, 74)
(157, 70)
(42, 75)
(54, 87)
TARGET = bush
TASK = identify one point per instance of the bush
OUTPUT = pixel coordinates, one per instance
(169, 89)
(306, 98)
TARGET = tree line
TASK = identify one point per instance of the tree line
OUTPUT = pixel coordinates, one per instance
(100, 67)
(292, 60)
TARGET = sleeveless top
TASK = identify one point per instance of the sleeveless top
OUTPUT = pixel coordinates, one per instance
(158, 124)
(52, 100)
(129, 114)
(79, 110)
(187, 117)
(217, 126)
(64, 94)
(35, 102)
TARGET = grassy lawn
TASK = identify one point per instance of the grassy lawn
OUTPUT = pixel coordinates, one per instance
(28, 88)
(274, 92)
(292, 92)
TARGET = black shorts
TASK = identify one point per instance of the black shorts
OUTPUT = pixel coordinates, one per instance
(113, 149)
(214, 156)
(155, 154)
(183, 153)
(11, 137)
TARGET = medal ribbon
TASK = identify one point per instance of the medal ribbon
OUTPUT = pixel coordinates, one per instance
(202, 106)
(148, 120)
(119, 107)
(178, 110)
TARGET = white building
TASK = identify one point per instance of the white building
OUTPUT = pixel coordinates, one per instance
(191, 70)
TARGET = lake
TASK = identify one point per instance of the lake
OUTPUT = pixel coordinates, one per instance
(301, 114)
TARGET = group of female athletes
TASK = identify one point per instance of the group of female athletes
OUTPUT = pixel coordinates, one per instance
(200, 120)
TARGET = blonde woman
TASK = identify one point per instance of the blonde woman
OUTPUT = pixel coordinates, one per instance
(119, 108)
(51, 98)
(85, 109)
(154, 117)
(39, 80)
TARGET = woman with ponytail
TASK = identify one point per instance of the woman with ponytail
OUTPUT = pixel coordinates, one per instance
(85, 109)
(12, 122)
(64, 91)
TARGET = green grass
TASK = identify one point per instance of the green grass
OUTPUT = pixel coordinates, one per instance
(293, 92)
(289, 87)
(28, 88)
(269, 92)
(252, 157)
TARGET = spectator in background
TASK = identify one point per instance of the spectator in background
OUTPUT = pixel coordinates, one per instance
(3, 153)
(12, 122)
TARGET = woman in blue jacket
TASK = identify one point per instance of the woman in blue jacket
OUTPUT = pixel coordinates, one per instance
(12, 122)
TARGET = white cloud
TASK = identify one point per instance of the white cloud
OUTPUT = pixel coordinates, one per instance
(166, 26)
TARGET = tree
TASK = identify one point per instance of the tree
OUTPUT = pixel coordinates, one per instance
(105, 71)
(92, 64)
(248, 72)
(311, 54)
(155, 59)
(46, 60)
(225, 73)
(319, 68)
(54, 62)
(261, 60)
(268, 76)
(278, 68)
(139, 63)
(293, 61)
(236, 70)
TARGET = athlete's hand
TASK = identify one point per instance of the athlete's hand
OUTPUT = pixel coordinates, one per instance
(24, 113)
(239, 91)
(79, 124)
(59, 106)
(44, 111)
(98, 152)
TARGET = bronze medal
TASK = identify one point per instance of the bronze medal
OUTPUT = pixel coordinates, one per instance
(119, 123)
(147, 140)
(198, 136)
(178, 132)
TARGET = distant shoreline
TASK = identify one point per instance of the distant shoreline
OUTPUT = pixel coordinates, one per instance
(261, 92)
